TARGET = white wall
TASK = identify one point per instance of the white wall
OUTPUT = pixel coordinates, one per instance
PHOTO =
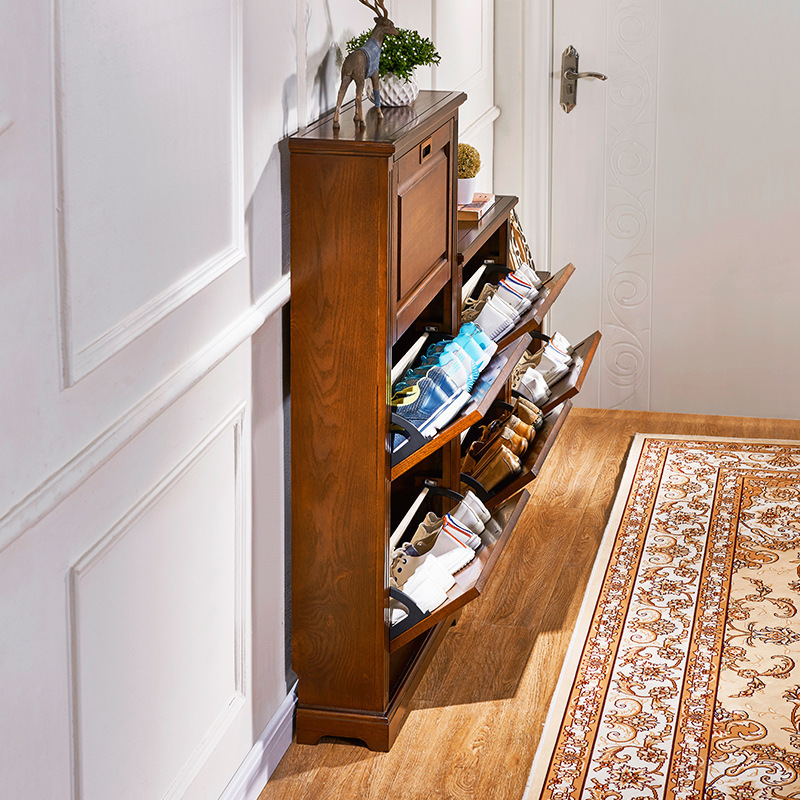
(144, 229)
(142, 233)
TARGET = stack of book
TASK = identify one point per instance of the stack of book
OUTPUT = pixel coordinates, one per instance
(472, 212)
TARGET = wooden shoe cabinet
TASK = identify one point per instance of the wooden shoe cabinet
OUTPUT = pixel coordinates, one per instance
(377, 259)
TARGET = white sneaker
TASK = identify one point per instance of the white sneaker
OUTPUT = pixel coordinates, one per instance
(480, 510)
(407, 565)
(550, 369)
(533, 386)
(554, 354)
(493, 321)
(513, 297)
(463, 514)
(506, 308)
(452, 555)
(460, 532)
(560, 343)
(432, 569)
(521, 285)
(525, 272)
(424, 592)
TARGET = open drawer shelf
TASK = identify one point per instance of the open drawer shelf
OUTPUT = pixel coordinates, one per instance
(535, 315)
(472, 580)
(472, 236)
(572, 382)
(484, 394)
(536, 456)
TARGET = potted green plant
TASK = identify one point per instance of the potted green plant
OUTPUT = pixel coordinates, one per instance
(469, 163)
(400, 55)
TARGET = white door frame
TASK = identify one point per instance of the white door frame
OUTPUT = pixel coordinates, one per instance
(538, 126)
(524, 133)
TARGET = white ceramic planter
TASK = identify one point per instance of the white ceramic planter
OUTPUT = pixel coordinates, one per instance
(466, 190)
(397, 92)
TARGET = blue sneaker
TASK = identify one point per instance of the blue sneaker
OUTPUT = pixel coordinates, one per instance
(475, 332)
(449, 347)
(450, 363)
(470, 363)
(430, 403)
(432, 353)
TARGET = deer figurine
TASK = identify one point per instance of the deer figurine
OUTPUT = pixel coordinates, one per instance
(363, 63)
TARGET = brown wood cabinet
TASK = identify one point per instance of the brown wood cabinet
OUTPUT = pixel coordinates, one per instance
(377, 258)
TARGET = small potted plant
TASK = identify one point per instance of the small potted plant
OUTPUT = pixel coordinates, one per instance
(469, 163)
(400, 55)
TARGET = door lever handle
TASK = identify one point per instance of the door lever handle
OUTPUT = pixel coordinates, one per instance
(570, 77)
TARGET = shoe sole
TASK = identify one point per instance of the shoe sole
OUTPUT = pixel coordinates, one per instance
(445, 414)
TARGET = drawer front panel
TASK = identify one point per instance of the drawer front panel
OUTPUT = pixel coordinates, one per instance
(423, 216)
(414, 163)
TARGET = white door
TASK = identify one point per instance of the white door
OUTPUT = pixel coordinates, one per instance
(676, 193)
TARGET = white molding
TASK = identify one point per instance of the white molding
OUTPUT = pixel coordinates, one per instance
(232, 423)
(22, 516)
(301, 33)
(77, 362)
(81, 362)
(259, 764)
(537, 121)
(483, 72)
(483, 121)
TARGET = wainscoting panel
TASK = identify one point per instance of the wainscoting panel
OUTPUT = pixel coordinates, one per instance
(157, 623)
(463, 31)
(149, 164)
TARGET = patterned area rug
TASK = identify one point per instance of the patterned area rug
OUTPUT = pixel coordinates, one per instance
(683, 677)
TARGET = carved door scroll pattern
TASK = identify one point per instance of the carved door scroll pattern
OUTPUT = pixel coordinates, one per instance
(629, 202)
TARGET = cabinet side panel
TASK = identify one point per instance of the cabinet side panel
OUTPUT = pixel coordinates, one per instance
(340, 469)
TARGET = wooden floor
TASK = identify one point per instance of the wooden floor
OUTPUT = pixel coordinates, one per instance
(479, 711)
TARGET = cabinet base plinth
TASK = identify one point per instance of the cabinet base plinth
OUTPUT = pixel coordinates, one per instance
(377, 730)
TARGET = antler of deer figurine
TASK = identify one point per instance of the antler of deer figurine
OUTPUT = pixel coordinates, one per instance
(363, 63)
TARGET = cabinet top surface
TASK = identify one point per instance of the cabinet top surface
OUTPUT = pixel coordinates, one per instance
(379, 136)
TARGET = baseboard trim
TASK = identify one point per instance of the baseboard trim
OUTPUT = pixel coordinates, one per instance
(42, 500)
(254, 772)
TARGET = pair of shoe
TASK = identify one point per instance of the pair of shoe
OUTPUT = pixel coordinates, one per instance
(556, 359)
(495, 456)
(496, 466)
(428, 401)
(431, 394)
(425, 567)
(537, 373)
(529, 413)
(499, 308)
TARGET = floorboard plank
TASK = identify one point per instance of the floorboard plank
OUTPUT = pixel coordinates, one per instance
(479, 710)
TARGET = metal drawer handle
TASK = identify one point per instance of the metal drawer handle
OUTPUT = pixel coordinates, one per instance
(425, 150)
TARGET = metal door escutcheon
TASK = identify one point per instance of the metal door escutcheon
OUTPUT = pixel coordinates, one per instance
(570, 77)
